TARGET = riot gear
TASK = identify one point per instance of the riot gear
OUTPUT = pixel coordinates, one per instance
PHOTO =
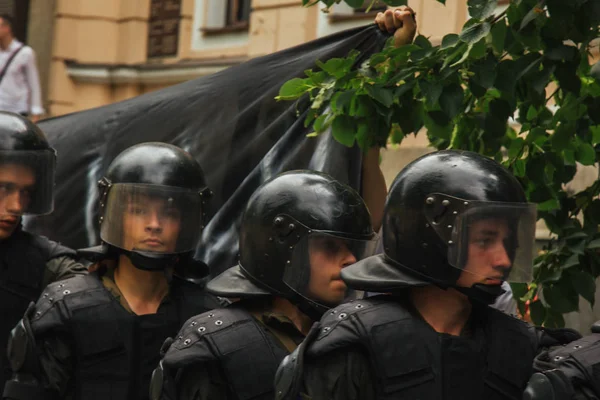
(25, 152)
(285, 219)
(434, 206)
(149, 189)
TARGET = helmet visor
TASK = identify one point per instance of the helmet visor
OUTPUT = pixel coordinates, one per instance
(27, 182)
(152, 218)
(316, 261)
(494, 241)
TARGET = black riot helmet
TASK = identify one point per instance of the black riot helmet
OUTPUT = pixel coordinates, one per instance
(439, 206)
(26, 154)
(286, 220)
(152, 201)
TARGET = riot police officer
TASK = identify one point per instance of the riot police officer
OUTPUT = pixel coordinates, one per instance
(27, 262)
(297, 233)
(456, 225)
(98, 336)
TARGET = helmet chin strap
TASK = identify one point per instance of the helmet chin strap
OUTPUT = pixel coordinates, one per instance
(480, 293)
(151, 261)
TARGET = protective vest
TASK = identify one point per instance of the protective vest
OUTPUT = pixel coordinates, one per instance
(23, 259)
(410, 360)
(246, 353)
(114, 351)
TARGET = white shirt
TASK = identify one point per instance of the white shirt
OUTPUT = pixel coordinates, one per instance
(20, 89)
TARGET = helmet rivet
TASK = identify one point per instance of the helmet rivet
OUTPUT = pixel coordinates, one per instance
(466, 203)
(455, 212)
(424, 245)
(426, 225)
(292, 227)
(446, 203)
(288, 262)
(270, 239)
(450, 242)
(449, 226)
(429, 200)
(278, 221)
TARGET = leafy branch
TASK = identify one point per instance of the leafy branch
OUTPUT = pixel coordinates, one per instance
(517, 86)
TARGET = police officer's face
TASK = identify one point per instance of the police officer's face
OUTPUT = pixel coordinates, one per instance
(488, 262)
(151, 224)
(16, 185)
(327, 258)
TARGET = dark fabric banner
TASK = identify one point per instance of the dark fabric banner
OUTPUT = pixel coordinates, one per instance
(229, 121)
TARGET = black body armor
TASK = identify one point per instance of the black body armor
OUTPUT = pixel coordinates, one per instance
(114, 351)
(23, 259)
(409, 360)
(246, 353)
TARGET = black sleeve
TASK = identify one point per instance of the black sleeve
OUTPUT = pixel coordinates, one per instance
(41, 363)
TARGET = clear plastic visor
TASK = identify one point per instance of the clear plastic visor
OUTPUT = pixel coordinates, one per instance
(26, 182)
(494, 241)
(152, 218)
(316, 262)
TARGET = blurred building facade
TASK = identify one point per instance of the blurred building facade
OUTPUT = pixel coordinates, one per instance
(95, 52)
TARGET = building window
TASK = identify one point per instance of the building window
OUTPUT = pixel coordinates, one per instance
(238, 12)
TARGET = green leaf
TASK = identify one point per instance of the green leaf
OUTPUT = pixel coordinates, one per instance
(585, 285)
(537, 135)
(531, 113)
(594, 244)
(422, 42)
(531, 15)
(432, 91)
(549, 205)
(572, 261)
(516, 146)
(451, 100)
(336, 67)
(519, 168)
(343, 130)
(595, 134)
(537, 312)
(481, 9)
(449, 41)
(561, 297)
(382, 95)
(499, 36)
(561, 137)
(485, 71)
(577, 247)
(293, 89)
(554, 319)
(475, 33)
(585, 154)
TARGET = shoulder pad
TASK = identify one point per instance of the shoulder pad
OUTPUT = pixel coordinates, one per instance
(21, 350)
(50, 308)
(190, 344)
(552, 385)
(338, 326)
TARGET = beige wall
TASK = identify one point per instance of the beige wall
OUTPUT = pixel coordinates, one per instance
(114, 33)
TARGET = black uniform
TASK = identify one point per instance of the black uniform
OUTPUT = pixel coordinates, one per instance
(27, 262)
(233, 353)
(381, 347)
(81, 340)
